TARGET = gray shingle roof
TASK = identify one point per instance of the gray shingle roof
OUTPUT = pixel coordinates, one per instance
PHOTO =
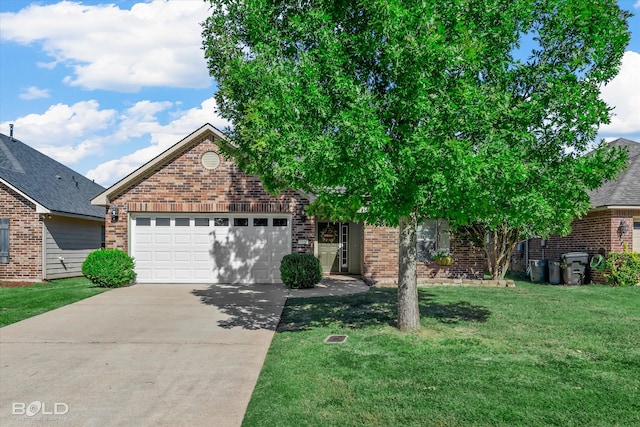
(625, 190)
(46, 181)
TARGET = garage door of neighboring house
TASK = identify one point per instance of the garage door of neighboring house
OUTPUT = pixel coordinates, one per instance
(212, 248)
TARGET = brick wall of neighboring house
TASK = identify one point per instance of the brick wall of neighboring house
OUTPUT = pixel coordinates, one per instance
(25, 237)
(380, 258)
(596, 232)
(184, 185)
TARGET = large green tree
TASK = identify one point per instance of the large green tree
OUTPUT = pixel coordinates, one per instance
(478, 111)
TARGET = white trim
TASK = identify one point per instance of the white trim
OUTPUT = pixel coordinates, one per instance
(104, 198)
(39, 208)
(606, 208)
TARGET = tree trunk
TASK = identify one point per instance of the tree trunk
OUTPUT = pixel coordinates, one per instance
(498, 249)
(408, 309)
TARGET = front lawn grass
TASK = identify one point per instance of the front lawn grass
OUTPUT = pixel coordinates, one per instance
(534, 355)
(23, 302)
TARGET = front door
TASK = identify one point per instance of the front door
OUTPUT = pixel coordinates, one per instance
(339, 246)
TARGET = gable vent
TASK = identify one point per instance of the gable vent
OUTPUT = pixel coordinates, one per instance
(210, 160)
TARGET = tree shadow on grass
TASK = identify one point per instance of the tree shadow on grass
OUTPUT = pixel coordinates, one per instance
(378, 307)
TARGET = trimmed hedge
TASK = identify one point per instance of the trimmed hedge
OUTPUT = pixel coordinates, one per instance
(623, 269)
(109, 268)
(300, 271)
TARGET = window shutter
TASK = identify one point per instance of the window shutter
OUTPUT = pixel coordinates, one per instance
(4, 240)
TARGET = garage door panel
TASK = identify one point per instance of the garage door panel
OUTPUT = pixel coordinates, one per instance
(144, 238)
(210, 248)
(162, 239)
(201, 239)
(162, 256)
(182, 239)
(162, 274)
(201, 256)
(181, 256)
(143, 256)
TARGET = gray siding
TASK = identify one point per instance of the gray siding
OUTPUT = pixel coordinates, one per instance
(71, 239)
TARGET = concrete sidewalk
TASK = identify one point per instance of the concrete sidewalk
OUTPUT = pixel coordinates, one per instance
(146, 355)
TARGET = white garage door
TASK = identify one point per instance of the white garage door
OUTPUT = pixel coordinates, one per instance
(213, 248)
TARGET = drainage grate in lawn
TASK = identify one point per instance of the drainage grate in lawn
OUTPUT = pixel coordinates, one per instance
(335, 339)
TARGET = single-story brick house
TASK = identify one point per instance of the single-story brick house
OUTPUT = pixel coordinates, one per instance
(191, 216)
(47, 222)
(612, 221)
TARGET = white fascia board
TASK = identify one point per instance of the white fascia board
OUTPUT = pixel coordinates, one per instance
(39, 208)
(607, 208)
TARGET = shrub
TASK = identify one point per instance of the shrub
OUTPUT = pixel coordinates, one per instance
(623, 269)
(300, 271)
(109, 268)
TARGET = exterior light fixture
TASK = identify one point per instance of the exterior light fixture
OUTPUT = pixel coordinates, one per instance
(303, 214)
(113, 211)
(623, 229)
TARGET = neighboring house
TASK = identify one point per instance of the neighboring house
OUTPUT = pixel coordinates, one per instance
(612, 221)
(47, 223)
(191, 216)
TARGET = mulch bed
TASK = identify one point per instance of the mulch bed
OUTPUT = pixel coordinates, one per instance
(17, 284)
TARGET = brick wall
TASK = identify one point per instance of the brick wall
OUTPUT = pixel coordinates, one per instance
(380, 258)
(596, 232)
(25, 237)
(184, 185)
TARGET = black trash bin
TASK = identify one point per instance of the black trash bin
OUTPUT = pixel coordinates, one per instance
(574, 267)
(538, 270)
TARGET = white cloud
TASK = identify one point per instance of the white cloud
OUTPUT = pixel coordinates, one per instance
(161, 137)
(623, 93)
(153, 44)
(66, 133)
(71, 133)
(637, 5)
(34, 92)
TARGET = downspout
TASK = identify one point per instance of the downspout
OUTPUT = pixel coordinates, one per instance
(43, 264)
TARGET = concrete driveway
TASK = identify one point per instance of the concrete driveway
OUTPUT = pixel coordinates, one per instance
(175, 355)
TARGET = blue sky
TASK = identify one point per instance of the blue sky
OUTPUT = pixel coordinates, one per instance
(104, 86)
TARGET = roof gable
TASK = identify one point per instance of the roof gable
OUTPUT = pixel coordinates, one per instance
(105, 198)
(625, 190)
(46, 182)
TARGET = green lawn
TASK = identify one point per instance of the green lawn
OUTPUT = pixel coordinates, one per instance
(20, 303)
(534, 355)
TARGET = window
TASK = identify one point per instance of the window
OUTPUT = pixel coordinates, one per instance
(182, 222)
(202, 222)
(260, 222)
(143, 222)
(241, 222)
(221, 222)
(279, 222)
(432, 236)
(4, 240)
(163, 222)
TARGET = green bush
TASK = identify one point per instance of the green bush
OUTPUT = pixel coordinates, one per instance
(300, 271)
(109, 268)
(623, 269)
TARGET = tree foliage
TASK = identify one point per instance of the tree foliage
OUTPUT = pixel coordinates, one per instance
(478, 111)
